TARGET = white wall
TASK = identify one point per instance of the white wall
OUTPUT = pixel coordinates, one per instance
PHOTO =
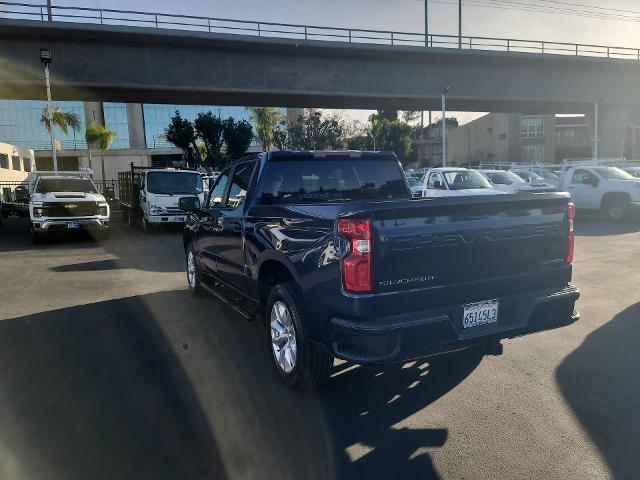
(10, 174)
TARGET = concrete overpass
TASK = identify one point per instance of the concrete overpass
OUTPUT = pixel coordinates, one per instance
(129, 64)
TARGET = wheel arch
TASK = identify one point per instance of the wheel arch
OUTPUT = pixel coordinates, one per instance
(612, 196)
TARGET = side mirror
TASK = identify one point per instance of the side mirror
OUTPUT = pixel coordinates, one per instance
(528, 179)
(189, 204)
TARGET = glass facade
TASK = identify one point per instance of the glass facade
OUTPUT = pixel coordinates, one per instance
(20, 122)
(157, 118)
(20, 125)
(115, 118)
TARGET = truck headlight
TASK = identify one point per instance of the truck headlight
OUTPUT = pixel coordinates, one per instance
(154, 210)
(37, 212)
(103, 210)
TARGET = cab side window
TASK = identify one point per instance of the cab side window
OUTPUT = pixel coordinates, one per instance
(581, 176)
(217, 192)
(435, 181)
(240, 185)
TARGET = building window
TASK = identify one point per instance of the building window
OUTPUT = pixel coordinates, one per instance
(26, 162)
(533, 153)
(15, 163)
(532, 127)
(115, 118)
(4, 160)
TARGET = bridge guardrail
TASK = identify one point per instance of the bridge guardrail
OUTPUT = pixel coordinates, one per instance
(105, 16)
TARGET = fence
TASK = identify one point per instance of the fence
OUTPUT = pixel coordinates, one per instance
(104, 16)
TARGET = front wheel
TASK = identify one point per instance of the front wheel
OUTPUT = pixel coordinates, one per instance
(194, 278)
(300, 363)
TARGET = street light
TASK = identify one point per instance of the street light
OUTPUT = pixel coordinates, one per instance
(45, 58)
(446, 90)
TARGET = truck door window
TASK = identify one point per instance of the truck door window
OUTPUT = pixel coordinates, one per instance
(580, 176)
(239, 185)
(217, 192)
(435, 181)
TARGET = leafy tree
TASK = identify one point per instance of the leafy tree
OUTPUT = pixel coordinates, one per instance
(209, 129)
(266, 120)
(182, 134)
(388, 114)
(410, 115)
(63, 120)
(310, 131)
(237, 137)
(100, 136)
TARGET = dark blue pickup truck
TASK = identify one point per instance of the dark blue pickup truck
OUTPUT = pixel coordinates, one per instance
(329, 250)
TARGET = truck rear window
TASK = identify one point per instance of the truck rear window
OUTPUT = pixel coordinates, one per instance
(326, 180)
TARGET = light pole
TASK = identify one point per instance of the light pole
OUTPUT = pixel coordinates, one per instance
(460, 24)
(45, 58)
(595, 128)
(426, 23)
(444, 124)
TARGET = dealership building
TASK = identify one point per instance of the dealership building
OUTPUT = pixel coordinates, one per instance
(139, 133)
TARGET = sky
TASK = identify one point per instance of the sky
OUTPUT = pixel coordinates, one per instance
(491, 18)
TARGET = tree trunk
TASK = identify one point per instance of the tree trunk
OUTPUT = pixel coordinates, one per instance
(89, 148)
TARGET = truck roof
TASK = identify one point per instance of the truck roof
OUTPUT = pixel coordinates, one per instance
(331, 153)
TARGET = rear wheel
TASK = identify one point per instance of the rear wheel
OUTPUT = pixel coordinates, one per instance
(300, 363)
(616, 209)
(194, 278)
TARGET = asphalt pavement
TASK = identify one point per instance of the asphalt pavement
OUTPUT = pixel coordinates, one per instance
(110, 369)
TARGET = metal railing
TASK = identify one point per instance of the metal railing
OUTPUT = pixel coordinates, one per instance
(105, 16)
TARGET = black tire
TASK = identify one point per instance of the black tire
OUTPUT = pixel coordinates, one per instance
(194, 283)
(615, 209)
(312, 363)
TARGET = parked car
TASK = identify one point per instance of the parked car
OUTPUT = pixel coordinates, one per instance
(330, 252)
(67, 202)
(150, 196)
(533, 178)
(457, 182)
(611, 190)
(633, 171)
(415, 185)
(507, 181)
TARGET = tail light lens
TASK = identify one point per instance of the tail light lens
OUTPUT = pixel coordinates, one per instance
(356, 267)
(572, 216)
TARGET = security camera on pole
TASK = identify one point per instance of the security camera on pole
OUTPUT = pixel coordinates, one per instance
(45, 58)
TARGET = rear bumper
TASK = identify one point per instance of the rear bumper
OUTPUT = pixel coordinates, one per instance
(431, 332)
(46, 226)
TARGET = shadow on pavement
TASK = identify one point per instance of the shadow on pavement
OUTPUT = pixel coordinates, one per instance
(595, 226)
(601, 382)
(365, 404)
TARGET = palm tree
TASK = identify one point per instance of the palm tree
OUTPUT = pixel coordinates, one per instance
(63, 120)
(100, 136)
(266, 120)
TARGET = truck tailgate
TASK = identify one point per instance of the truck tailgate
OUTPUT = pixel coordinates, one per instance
(436, 245)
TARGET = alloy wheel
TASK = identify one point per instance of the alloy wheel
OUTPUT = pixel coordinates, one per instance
(283, 337)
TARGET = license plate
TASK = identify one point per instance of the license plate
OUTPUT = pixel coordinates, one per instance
(73, 225)
(480, 313)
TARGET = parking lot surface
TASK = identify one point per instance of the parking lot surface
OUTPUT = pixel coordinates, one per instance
(110, 369)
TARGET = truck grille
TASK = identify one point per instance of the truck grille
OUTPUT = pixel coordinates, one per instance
(77, 209)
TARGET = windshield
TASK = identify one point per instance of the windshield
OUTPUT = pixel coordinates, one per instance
(465, 179)
(174, 183)
(613, 173)
(317, 181)
(634, 172)
(48, 185)
(503, 178)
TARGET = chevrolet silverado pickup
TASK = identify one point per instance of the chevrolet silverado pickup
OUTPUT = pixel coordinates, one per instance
(330, 251)
(67, 202)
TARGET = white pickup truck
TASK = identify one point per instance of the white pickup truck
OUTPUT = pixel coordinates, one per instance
(67, 202)
(456, 182)
(609, 189)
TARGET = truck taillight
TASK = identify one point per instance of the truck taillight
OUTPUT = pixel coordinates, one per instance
(572, 216)
(356, 266)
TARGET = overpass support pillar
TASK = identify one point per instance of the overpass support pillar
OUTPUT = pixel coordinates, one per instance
(93, 112)
(135, 121)
(613, 121)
